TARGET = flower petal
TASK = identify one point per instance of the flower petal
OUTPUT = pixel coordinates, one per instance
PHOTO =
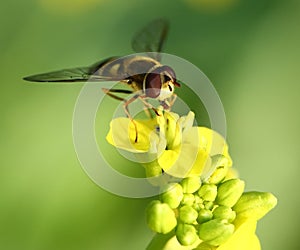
(122, 134)
(243, 238)
(186, 122)
(167, 159)
(208, 139)
(186, 161)
(170, 129)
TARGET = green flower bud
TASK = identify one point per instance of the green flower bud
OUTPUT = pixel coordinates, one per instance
(229, 192)
(198, 200)
(255, 205)
(188, 199)
(205, 246)
(223, 212)
(191, 184)
(187, 214)
(160, 217)
(215, 232)
(204, 215)
(220, 164)
(208, 192)
(172, 195)
(197, 206)
(208, 205)
(152, 169)
(218, 175)
(186, 234)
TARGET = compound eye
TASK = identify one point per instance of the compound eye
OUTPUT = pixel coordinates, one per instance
(152, 85)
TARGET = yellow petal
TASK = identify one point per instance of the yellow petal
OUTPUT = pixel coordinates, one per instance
(172, 130)
(203, 161)
(167, 159)
(212, 141)
(186, 161)
(186, 122)
(243, 238)
(122, 134)
(232, 174)
(207, 139)
(169, 242)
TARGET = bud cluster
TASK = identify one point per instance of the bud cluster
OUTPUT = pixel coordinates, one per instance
(205, 212)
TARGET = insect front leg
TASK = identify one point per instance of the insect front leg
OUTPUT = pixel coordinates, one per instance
(172, 100)
(148, 105)
(110, 92)
(125, 106)
(167, 104)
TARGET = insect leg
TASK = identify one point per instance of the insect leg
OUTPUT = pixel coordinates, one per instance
(172, 100)
(110, 92)
(125, 106)
(147, 104)
(167, 104)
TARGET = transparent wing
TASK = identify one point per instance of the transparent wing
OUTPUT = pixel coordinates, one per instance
(151, 38)
(80, 74)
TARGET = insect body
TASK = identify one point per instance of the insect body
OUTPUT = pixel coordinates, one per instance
(146, 76)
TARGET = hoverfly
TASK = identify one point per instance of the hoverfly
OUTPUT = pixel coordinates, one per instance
(146, 76)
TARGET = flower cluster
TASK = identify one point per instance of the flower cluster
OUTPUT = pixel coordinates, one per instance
(209, 215)
(202, 204)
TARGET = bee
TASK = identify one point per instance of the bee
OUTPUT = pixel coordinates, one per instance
(144, 74)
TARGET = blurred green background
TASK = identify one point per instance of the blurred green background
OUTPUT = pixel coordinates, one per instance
(249, 50)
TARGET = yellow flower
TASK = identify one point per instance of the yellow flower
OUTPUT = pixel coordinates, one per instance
(208, 213)
(181, 149)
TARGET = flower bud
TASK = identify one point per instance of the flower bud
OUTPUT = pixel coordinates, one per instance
(197, 206)
(160, 217)
(255, 205)
(191, 184)
(172, 195)
(229, 192)
(209, 205)
(186, 234)
(187, 214)
(208, 192)
(223, 212)
(231, 174)
(205, 246)
(152, 169)
(220, 164)
(188, 199)
(215, 232)
(204, 215)
(198, 200)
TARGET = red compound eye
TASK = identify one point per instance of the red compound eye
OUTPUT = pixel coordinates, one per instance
(154, 80)
(152, 85)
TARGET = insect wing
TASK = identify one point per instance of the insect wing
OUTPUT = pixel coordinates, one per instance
(80, 74)
(151, 38)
